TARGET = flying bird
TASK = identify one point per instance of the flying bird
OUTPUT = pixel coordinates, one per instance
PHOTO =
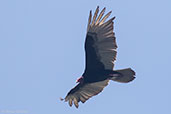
(100, 51)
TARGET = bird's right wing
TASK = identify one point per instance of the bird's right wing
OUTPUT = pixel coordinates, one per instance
(82, 92)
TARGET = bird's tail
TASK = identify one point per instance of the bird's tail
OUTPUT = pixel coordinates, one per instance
(127, 75)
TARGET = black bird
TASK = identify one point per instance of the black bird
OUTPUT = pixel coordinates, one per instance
(100, 49)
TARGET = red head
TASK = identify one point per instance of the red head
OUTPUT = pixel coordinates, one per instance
(80, 79)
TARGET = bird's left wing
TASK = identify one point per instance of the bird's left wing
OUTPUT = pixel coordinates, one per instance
(82, 92)
(100, 44)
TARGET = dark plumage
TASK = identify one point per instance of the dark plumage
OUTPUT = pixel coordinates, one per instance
(100, 49)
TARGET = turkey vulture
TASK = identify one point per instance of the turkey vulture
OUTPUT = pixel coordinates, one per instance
(100, 51)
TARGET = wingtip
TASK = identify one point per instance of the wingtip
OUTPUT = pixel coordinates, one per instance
(61, 99)
(109, 13)
(90, 14)
(134, 73)
(97, 9)
(104, 9)
(113, 18)
(77, 106)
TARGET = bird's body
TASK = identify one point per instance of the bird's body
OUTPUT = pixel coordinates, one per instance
(99, 75)
(100, 51)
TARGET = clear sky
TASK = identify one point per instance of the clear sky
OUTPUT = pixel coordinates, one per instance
(42, 55)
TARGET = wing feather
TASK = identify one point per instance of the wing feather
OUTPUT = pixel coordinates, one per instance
(82, 92)
(100, 16)
(105, 17)
(95, 15)
(89, 21)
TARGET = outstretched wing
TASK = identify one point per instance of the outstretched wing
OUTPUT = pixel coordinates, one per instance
(82, 92)
(100, 44)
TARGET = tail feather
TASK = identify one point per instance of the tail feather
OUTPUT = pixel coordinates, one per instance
(127, 75)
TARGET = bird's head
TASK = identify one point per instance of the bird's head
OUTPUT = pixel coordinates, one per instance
(80, 80)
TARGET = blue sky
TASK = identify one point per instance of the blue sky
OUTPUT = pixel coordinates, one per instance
(42, 55)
